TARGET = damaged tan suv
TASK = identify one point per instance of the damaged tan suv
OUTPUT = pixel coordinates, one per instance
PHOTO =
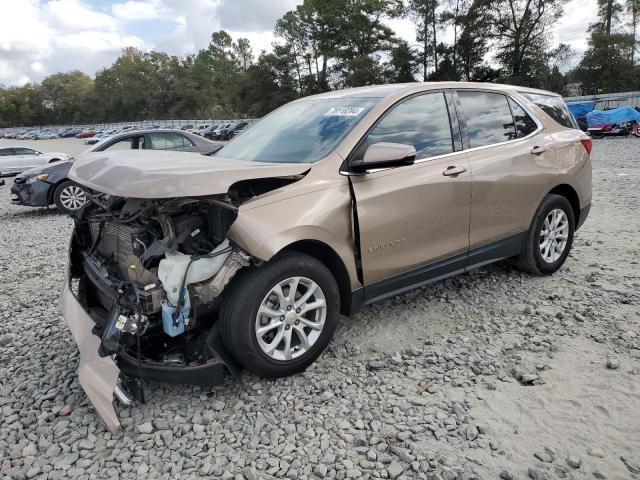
(182, 264)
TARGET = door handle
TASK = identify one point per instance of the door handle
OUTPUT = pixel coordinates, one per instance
(538, 150)
(453, 171)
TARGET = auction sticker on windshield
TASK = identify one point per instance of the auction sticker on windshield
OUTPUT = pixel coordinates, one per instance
(344, 111)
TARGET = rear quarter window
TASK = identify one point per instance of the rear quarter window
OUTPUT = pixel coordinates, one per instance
(553, 106)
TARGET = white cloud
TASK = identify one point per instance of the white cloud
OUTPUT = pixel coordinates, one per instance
(37, 67)
(40, 37)
(70, 15)
(135, 10)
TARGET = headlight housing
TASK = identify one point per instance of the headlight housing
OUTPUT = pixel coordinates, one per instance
(36, 178)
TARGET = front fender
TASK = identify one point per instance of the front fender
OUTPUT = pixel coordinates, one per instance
(323, 216)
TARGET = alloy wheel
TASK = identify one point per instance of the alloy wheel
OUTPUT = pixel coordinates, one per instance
(554, 235)
(72, 197)
(290, 318)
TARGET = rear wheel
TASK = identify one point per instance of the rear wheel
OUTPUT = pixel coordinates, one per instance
(550, 237)
(278, 318)
(69, 197)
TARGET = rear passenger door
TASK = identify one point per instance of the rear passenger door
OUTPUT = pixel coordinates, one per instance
(512, 160)
(412, 216)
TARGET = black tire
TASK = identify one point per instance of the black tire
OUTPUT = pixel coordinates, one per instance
(54, 160)
(240, 306)
(530, 259)
(58, 192)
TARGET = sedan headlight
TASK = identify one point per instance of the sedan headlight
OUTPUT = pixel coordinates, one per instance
(36, 178)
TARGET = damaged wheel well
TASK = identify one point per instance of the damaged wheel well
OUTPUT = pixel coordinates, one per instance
(330, 258)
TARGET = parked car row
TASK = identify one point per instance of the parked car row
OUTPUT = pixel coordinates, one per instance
(95, 134)
(48, 184)
(225, 131)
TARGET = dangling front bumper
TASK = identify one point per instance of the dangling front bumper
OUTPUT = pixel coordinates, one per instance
(98, 375)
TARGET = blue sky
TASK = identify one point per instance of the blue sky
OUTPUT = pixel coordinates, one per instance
(41, 37)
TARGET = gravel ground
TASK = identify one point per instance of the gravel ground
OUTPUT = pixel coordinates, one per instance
(491, 375)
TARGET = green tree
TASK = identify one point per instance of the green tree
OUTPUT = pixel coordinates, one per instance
(68, 96)
(424, 15)
(473, 42)
(633, 10)
(404, 63)
(521, 29)
(266, 84)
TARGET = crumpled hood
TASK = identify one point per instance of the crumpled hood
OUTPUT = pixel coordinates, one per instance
(162, 174)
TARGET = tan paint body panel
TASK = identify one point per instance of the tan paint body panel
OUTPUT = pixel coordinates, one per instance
(98, 375)
(508, 181)
(411, 216)
(315, 208)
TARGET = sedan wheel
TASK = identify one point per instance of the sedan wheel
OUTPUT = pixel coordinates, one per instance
(291, 318)
(69, 197)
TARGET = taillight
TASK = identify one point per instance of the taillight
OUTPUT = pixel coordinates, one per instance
(586, 143)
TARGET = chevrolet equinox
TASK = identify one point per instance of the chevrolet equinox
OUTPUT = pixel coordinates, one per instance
(182, 264)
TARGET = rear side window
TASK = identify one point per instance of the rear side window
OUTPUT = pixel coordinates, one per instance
(421, 121)
(554, 107)
(524, 123)
(488, 117)
(169, 141)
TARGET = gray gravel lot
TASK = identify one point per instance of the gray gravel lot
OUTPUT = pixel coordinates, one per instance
(493, 374)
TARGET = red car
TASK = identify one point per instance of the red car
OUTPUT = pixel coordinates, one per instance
(86, 134)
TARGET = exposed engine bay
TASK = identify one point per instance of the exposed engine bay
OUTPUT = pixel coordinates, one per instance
(150, 273)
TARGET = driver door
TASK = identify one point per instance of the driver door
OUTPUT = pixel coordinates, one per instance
(414, 220)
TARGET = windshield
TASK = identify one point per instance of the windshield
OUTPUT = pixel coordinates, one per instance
(300, 132)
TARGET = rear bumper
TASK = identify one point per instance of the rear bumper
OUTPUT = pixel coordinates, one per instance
(98, 375)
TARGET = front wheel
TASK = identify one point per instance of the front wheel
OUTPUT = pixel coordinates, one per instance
(550, 237)
(69, 197)
(279, 317)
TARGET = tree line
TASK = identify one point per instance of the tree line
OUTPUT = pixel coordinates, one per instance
(329, 44)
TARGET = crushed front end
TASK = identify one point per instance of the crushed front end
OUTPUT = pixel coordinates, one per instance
(144, 284)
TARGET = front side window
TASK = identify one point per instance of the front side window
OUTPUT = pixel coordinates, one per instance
(129, 143)
(553, 106)
(421, 121)
(300, 132)
(525, 125)
(488, 117)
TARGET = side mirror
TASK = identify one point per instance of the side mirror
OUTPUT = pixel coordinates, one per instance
(384, 155)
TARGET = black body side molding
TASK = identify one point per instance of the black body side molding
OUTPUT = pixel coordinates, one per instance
(507, 247)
